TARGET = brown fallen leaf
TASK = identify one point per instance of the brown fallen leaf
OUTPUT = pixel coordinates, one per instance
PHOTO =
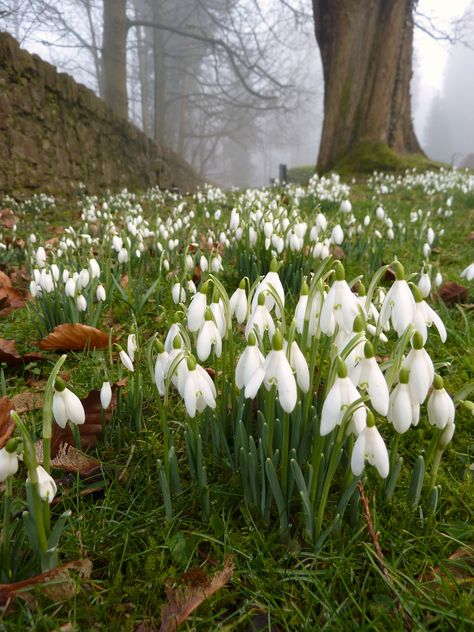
(70, 459)
(452, 293)
(12, 299)
(124, 281)
(338, 253)
(10, 355)
(459, 565)
(8, 218)
(27, 401)
(59, 576)
(5, 280)
(182, 602)
(74, 337)
(7, 425)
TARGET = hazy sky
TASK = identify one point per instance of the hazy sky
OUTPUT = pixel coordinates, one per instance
(431, 56)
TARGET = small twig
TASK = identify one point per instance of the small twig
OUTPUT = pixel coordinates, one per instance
(378, 552)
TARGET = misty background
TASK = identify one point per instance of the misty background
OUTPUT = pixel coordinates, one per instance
(239, 84)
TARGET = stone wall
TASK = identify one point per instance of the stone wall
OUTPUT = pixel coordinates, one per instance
(56, 134)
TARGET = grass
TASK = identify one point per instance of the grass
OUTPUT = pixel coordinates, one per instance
(278, 584)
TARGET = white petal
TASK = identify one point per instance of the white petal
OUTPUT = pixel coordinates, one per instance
(358, 455)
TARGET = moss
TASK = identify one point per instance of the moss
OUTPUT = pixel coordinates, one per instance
(366, 157)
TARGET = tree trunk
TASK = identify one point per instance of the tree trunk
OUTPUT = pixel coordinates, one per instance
(160, 77)
(114, 55)
(366, 52)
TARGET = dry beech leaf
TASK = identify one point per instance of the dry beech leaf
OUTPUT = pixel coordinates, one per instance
(182, 602)
(338, 253)
(5, 280)
(124, 281)
(74, 337)
(57, 582)
(459, 565)
(27, 401)
(10, 299)
(452, 293)
(8, 218)
(10, 355)
(7, 425)
(70, 459)
(92, 427)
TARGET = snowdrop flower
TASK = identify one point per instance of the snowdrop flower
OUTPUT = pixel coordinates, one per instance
(81, 303)
(191, 287)
(47, 487)
(446, 437)
(367, 374)
(438, 279)
(94, 269)
(426, 251)
(105, 395)
(399, 304)
(40, 257)
(218, 313)
(234, 220)
(161, 367)
(366, 220)
(299, 365)
(430, 235)
(83, 279)
(46, 281)
(198, 389)
(216, 264)
(390, 234)
(131, 346)
(117, 243)
(123, 256)
(425, 317)
(171, 335)
(125, 360)
(403, 410)
(379, 213)
(100, 293)
(420, 365)
(67, 406)
(208, 337)
(238, 303)
(250, 360)
(337, 235)
(55, 272)
(321, 221)
(341, 395)
(440, 406)
(276, 371)
(468, 273)
(340, 303)
(203, 264)
(271, 279)
(346, 206)
(178, 293)
(370, 445)
(424, 284)
(260, 320)
(197, 308)
(8, 460)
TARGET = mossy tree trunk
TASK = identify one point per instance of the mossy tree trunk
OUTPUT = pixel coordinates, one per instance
(114, 56)
(366, 52)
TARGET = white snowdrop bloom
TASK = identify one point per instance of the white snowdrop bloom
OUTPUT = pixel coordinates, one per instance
(94, 268)
(100, 293)
(35, 289)
(217, 214)
(390, 234)
(197, 308)
(424, 284)
(123, 256)
(65, 276)
(70, 287)
(81, 303)
(67, 406)
(253, 236)
(40, 257)
(430, 236)
(203, 263)
(218, 312)
(425, 317)
(268, 229)
(440, 406)
(403, 409)
(161, 368)
(46, 281)
(337, 235)
(166, 265)
(234, 220)
(299, 365)
(270, 279)
(250, 360)
(117, 243)
(346, 206)
(317, 250)
(295, 243)
(468, 273)
(378, 234)
(370, 445)
(341, 395)
(238, 303)
(178, 293)
(32, 238)
(239, 233)
(426, 251)
(276, 371)
(188, 262)
(198, 389)
(399, 304)
(446, 437)
(126, 360)
(260, 320)
(208, 337)
(173, 332)
(216, 264)
(55, 272)
(438, 279)
(339, 303)
(8, 463)
(191, 287)
(131, 346)
(105, 395)
(366, 220)
(321, 221)
(367, 375)
(421, 369)
(47, 487)
(83, 279)
(379, 213)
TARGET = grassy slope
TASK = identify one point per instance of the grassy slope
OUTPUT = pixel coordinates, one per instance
(276, 585)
